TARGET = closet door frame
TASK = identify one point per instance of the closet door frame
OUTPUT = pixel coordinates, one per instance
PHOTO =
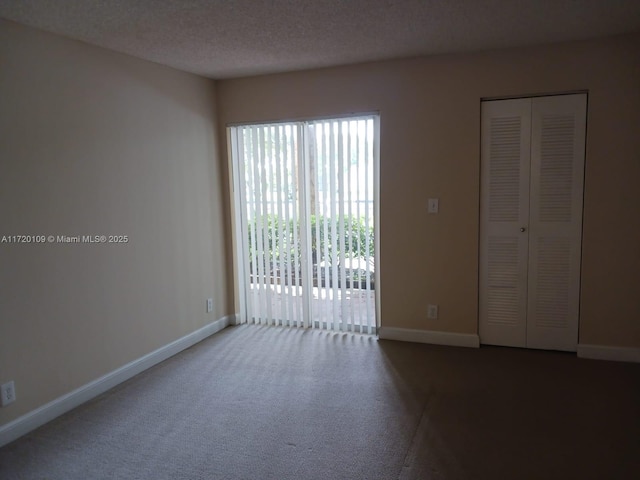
(539, 290)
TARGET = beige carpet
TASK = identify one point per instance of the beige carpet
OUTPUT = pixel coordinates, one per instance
(273, 403)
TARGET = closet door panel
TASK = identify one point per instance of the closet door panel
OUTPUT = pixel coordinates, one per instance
(557, 175)
(505, 161)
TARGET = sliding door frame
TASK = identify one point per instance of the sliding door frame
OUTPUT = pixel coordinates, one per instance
(237, 192)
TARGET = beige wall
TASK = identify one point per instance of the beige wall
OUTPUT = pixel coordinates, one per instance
(94, 142)
(430, 144)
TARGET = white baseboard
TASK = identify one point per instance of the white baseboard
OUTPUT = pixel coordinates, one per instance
(429, 336)
(69, 401)
(604, 352)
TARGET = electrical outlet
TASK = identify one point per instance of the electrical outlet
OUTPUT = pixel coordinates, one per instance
(8, 393)
(209, 305)
(432, 312)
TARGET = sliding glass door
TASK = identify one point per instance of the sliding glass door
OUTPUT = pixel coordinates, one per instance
(306, 210)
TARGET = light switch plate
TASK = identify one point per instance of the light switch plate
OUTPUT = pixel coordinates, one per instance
(433, 205)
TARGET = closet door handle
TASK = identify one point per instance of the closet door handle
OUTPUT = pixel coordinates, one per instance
(523, 229)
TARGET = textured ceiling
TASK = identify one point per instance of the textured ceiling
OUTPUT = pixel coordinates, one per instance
(232, 38)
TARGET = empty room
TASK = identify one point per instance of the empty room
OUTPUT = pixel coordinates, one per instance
(384, 240)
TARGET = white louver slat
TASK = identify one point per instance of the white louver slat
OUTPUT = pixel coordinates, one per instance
(556, 168)
(553, 278)
(504, 169)
(502, 277)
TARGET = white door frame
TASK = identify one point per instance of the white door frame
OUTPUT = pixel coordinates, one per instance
(546, 313)
(240, 243)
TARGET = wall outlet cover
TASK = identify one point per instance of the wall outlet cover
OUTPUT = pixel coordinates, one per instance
(8, 393)
(432, 312)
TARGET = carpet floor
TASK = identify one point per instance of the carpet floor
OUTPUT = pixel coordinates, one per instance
(273, 403)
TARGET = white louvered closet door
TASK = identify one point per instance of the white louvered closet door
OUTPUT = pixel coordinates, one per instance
(530, 263)
(557, 175)
(506, 126)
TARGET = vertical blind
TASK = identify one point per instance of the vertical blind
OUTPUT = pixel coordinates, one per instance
(306, 220)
